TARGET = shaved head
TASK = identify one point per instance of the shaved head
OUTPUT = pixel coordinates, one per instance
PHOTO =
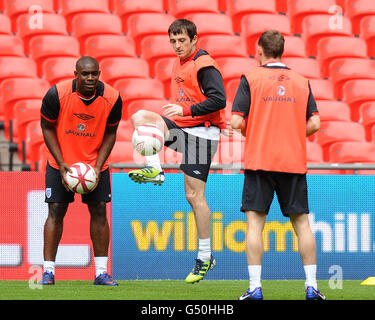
(86, 60)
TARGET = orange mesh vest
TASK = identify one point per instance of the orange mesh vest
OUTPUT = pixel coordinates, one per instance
(80, 128)
(276, 124)
(185, 91)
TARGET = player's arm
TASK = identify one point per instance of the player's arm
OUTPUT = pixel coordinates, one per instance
(312, 115)
(241, 106)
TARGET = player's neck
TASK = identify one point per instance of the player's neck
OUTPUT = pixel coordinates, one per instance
(265, 60)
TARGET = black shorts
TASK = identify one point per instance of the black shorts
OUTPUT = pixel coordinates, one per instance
(56, 192)
(259, 188)
(197, 152)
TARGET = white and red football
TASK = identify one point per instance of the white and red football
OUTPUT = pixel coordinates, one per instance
(82, 179)
(148, 139)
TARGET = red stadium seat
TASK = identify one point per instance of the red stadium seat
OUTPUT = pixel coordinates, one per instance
(58, 69)
(211, 23)
(358, 9)
(231, 88)
(298, 9)
(70, 8)
(106, 46)
(153, 105)
(351, 152)
(253, 25)
(331, 48)
(34, 140)
(293, 47)
(5, 24)
(231, 152)
(124, 152)
(163, 72)
(337, 131)
(113, 69)
(342, 70)
(125, 8)
(333, 110)
(14, 90)
(307, 67)
(368, 34)
(322, 89)
(154, 48)
(49, 46)
(138, 88)
(367, 117)
(145, 24)
(180, 8)
(17, 67)
(317, 26)
(314, 152)
(15, 8)
(125, 130)
(11, 46)
(282, 6)
(53, 24)
(235, 67)
(85, 25)
(236, 9)
(223, 46)
(356, 92)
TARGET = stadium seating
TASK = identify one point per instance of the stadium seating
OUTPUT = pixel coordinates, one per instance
(153, 105)
(105, 46)
(322, 89)
(154, 48)
(52, 24)
(314, 152)
(368, 34)
(351, 152)
(307, 67)
(89, 24)
(253, 25)
(239, 8)
(356, 92)
(342, 70)
(34, 140)
(293, 47)
(332, 110)
(113, 69)
(141, 25)
(298, 9)
(235, 67)
(70, 8)
(356, 10)
(58, 69)
(231, 152)
(124, 152)
(11, 46)
(125, 8)
(331, 48)
(211, 23)
(223, 46)
(49, 46)
(315, 27)
(13, 9)
(231, 88)
(163, 72)
(125, 130)
(336, 131)
(367, 117)
(180, 8)
(17, 67)
(5, 24)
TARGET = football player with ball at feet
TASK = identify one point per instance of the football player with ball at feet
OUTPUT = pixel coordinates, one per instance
(79, 120)
(191, 125)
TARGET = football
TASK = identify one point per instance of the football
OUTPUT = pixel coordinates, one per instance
(82, 179)
(148, 139)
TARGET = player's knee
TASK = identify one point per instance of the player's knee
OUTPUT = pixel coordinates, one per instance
(195, 198)
(139, 117)
(98, 210)
(57, 211)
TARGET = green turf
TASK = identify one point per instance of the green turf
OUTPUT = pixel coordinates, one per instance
(178, 290)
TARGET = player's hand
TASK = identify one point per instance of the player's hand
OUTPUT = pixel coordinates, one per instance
(64, 169)
(97, 171)
(170, 110)
(228, 131)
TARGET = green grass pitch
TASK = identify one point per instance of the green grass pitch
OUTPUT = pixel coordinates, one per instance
(178, 290)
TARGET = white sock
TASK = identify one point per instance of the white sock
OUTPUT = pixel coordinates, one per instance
(255, 272)
(100, 265)
(154, 161)
(49, 266)
(310, 272)
(204, 250)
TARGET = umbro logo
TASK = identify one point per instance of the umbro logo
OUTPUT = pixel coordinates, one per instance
(179, 80)
(83, 116)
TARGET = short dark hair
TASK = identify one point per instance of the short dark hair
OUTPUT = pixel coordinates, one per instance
(86, 59)
(272, 43)
(181, 25)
